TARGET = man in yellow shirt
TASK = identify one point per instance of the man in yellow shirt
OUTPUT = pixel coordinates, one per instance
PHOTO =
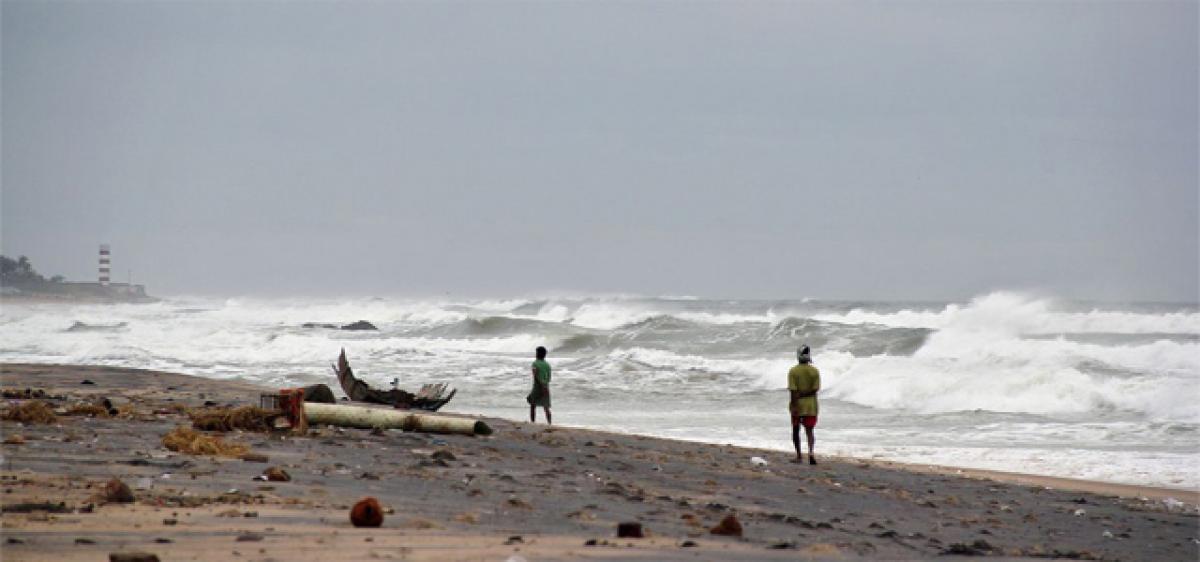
(804, 381)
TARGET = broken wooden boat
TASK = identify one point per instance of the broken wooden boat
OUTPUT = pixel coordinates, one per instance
(430, 397)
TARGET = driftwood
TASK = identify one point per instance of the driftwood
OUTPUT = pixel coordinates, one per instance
(367, 417)
(430, 397)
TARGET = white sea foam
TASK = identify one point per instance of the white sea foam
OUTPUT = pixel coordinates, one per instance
(1013, 313)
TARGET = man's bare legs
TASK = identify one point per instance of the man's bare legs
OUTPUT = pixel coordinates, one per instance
(812, 439)
(796, 438)
(548, 421)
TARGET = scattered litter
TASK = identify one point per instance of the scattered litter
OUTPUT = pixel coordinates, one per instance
(758, 461)
(1080, 512)
(1108, 534)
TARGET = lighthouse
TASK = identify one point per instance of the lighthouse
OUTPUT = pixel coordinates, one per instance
(105, 265)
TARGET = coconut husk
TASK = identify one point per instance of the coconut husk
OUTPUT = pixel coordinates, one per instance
(33, 411)
(187, 440)
(246, 418)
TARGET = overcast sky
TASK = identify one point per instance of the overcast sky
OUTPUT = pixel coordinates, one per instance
(898, 150)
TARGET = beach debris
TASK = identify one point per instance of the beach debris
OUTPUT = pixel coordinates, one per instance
(91, 411)
(687, 544)
(86, 381)
(516, 558)
(14, 440)
(84, 540)
(255, 457)
(729, 526)
(116, 491)
(186, 440)
(360, 325)
(276, 474)
(758, 461)
(31, 507)
(1080, 512)
(364, 417)
(630, 530)
(431, 396)
(248, 537)
(1108, 534)
(515, 539)
(978, 548)
(33, 411)
(366, 513)
(26, 394)
(246, 418)
(319, 393)
(132, 557)
(1173, 504)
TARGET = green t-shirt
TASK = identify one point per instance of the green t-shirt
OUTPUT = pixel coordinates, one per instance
(805, 378)
(543, 371)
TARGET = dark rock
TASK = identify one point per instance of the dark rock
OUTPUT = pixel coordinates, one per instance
(117, 491)
(687, 544)
(84, 540)
(729, 526)
(515, 539)
(170, 522)
(276, 474)
(784, 545)
(318, 325)
(132, 557)
(977, 548)
(86, 381)
(360, 325)
(442, 454)
(13, 540)
(255, 457)
(319, 393)
(629, 530)
(162, 540)
(249, 537)
(590, 542)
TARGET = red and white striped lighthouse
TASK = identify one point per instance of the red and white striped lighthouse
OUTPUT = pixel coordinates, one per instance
(105, 265)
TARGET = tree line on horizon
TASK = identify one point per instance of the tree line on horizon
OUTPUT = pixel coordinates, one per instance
(19, 273)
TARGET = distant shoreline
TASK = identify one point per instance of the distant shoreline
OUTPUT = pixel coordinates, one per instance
(50, 298)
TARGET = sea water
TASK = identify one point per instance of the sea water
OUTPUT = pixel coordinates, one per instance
(1004, 381)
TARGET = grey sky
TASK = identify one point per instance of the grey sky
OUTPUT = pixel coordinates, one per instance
(866, 150)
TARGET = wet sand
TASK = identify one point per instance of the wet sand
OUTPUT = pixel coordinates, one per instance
(531, 491)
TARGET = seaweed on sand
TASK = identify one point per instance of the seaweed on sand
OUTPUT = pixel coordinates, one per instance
(187, 440)
(33, 411)
(246, 418)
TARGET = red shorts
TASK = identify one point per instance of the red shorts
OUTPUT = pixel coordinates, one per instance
(807, 421)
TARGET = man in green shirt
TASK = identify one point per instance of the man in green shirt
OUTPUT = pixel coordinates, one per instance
(804, 381)
(540, 395)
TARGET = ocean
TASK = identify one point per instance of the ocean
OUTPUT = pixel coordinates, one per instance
(1004, 381)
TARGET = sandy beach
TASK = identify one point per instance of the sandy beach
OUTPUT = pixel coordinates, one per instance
(527, 492)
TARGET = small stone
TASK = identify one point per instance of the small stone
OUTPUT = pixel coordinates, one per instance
(276, 474)
(629, 530)
(515, 539)
(84, 540)
(249, 537)
(170, 522)
(687, 544)
(729, 526)
(86, 381)
(255, 457)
